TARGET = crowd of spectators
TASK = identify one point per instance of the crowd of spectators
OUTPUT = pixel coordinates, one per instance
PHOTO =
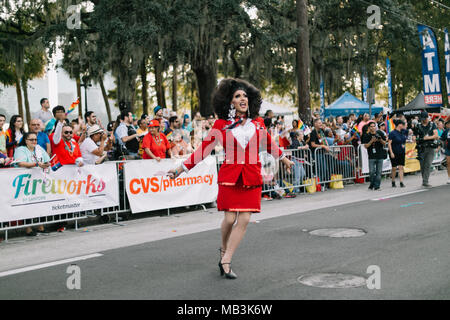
(52, 141)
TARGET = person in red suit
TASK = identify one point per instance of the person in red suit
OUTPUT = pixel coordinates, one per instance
(237, 104)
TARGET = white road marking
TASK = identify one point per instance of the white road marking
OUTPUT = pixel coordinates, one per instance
(398, 195)
(49, 264)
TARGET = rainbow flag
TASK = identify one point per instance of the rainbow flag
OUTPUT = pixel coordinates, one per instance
(301, 125)
(390, 126)
(355, 130)
(73, 106)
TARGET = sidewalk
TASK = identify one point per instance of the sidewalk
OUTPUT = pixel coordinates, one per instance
(21, 252)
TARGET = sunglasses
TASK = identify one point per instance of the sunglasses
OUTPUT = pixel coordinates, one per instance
(32, 139)
(68, 132)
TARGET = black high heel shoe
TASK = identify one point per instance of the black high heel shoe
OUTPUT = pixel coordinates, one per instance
(222, 271)
(228, 275)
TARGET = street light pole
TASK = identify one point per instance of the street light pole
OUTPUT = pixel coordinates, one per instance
(85, 84)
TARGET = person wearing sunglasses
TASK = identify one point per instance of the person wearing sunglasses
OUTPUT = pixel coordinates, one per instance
(29, 154)
(66, 148)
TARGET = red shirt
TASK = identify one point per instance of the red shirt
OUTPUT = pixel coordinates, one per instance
(63, 152)
(158, 150)
(284, 143)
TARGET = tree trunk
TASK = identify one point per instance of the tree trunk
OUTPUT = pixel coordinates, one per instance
(126, 88)
(174, 88)
(144, 86)
(105, 98)
(27, 102)
(304, 102)
(159, 86)
(19, 96)
(206, 82)
(80, 105)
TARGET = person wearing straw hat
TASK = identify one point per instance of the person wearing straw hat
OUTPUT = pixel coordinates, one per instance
(237, 104)
(93, 147)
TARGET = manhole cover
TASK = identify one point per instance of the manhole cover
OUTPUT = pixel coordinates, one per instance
(338, 233)
(332, 280)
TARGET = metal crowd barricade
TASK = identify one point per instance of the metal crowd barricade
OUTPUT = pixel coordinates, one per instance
(124, 205)
(276, 177)
(274, 174)
(338, 164)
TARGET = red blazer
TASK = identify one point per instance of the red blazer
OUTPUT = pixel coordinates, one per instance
(239, 159)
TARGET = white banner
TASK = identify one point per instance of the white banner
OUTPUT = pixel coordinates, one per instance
(149, 188)
(387, 166)
(32, 193)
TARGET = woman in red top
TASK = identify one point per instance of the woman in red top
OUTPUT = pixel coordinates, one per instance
(237, 104)
(155, 144)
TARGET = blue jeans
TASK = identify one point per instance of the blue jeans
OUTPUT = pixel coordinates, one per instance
(299, 174)
(375, 170)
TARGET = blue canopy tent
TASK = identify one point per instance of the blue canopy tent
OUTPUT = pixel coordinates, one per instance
(348, 103)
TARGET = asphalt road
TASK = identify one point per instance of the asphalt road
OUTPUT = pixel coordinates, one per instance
(407, 237)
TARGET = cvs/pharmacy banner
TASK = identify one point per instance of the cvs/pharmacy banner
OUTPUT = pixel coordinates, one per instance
(149, 188)
(33, 193)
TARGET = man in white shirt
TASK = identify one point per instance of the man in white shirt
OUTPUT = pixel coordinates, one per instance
(44, 114)
(91, 152)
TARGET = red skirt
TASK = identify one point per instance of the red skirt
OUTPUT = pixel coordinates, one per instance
(238, 198)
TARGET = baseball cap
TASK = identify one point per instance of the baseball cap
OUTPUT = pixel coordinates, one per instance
(154, 123)
(423, 115)
(156, 109)
(94, 129)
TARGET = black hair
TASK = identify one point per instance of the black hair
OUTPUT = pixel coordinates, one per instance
(173, 119)
(268, 122)
(43, 100)
(2, 115)
(58, 108)
(223, 94)
(397, 122)
(124, 113)
(87, 115)
(24, 138)
(11, 126)
(110, 126)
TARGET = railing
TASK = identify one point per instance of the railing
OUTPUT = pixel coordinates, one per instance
(337, 164)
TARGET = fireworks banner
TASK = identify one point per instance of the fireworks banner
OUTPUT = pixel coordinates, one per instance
(34, 193)
(430, 67)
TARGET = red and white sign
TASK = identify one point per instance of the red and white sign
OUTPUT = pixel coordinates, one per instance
(149, 187)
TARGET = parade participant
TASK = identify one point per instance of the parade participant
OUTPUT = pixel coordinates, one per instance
(155, 143)
(237, 104)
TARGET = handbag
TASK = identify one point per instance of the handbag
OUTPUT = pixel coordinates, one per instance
(336, 181)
